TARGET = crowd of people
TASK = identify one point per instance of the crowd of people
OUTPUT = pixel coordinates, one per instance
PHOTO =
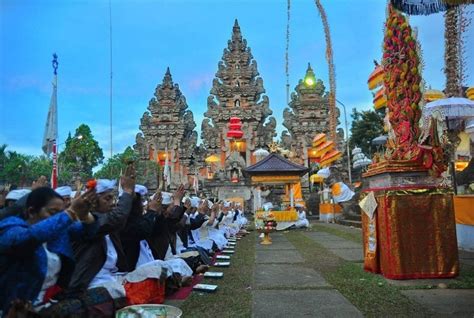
(92, 252)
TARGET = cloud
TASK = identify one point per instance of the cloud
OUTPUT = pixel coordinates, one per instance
(200, 81)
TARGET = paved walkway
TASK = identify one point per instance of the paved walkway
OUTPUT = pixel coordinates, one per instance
(440, 302)
(284, 287)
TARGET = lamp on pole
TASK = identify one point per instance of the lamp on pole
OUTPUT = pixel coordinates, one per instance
(347, 143)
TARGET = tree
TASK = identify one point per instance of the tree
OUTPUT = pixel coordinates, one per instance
(115, 165)
(81, 155)
(39, 166)
(366, 125)
(14, 167)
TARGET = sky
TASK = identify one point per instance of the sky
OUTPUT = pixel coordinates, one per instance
(189, 37)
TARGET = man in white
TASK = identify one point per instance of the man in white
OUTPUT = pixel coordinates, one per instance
(302, 220)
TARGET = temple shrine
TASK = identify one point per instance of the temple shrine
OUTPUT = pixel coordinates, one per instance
(168, 133)
(237, 91)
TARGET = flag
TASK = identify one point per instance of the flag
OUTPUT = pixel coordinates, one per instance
(166, 170)
(51, 129)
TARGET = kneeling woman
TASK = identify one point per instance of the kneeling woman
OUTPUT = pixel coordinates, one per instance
(35, 253)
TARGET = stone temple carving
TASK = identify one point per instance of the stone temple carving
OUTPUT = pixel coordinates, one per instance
(306, 116)
(308, 112)
(168, 125)
(237, 90)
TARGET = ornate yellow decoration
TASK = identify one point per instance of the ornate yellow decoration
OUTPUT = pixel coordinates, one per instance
(275, 179)
(273, 147)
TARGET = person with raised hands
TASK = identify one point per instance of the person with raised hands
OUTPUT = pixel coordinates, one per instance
(36, 252)
(172, 211)
(102, 255)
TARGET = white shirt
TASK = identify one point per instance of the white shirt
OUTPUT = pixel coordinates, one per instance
(52, 273)
(106, 273)
(146, 255)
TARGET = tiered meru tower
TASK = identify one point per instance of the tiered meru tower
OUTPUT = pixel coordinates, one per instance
(307, 116)
(237, 90)
(168, 131)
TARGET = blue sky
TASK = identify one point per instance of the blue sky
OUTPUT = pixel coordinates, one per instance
(189, 37)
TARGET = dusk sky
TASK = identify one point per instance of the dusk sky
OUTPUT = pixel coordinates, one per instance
(189, 37)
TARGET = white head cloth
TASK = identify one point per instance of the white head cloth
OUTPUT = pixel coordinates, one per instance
(226, 204)
(141, 190)
(104, 185)
(267, 206)
(299, 205)
(17, 194)
(166, 197)
(64, 191)
(195, 202)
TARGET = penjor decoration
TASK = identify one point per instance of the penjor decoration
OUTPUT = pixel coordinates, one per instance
(405, 201)
(398, 81)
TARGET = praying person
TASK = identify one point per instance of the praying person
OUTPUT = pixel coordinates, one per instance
(302, 220)
(36, 252)
(66, 193)
(101, 256)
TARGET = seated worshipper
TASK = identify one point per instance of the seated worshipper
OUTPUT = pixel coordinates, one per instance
(133, 237)
(226, 220)
(172, 212)
(36, 255)
(101, 257)
(206, 236)
(241, 219)
(190, 221)
(66, 193)
(196, 257)
(302, 220)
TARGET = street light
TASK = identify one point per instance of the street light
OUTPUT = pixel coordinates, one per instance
(78, 138)
(347, 143)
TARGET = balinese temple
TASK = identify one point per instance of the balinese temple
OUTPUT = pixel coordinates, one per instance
(307, 116)
(167, 132)
(237, 91)
(285, 178)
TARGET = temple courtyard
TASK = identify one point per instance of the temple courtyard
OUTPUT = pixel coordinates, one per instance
(319, 273)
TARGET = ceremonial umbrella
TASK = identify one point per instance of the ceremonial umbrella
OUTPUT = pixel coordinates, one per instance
(380, 140)
(425, 7)
(451, 108)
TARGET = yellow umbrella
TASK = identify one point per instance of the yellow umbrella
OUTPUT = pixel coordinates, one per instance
(315, 178)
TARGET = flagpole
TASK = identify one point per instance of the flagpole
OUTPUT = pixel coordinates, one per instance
(111, 77)
(54, 175)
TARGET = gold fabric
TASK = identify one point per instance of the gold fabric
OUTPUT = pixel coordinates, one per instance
(275, 179)
(464, 209)
(371, 253)
(281, 216)
(416, 235)
(329, 208)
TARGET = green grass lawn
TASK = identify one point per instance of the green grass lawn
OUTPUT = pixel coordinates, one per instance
(234, 295)
(370, 293)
